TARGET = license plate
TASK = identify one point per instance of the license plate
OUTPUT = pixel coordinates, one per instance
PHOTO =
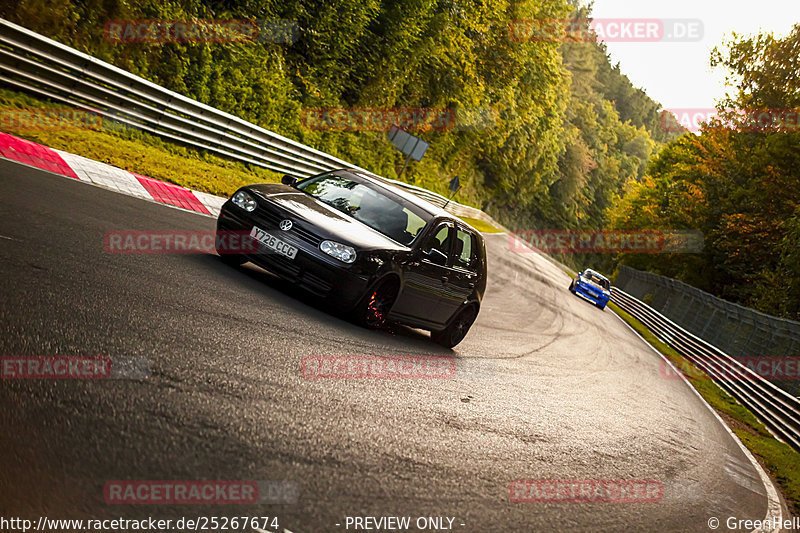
(273, 243)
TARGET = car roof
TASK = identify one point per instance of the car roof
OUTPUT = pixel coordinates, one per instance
(410, 197)
(596, 272)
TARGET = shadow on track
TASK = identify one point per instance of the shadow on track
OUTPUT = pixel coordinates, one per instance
(300, 300)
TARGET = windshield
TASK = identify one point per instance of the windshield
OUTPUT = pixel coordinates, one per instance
(596, 278)
(368, 203)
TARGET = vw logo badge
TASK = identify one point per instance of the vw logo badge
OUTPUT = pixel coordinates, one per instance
(286, 224)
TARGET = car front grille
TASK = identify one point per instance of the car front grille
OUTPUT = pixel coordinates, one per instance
(271, 216)
(308, 236)
(589, 290)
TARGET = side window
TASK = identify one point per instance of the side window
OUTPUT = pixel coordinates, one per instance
(438, 247)
(439, 241)
(415, 223)
(465, 252)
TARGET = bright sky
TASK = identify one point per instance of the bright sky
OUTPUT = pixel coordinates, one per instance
(677, 74)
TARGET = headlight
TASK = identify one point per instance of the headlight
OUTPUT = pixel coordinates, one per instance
(342, 252)
(244, 200)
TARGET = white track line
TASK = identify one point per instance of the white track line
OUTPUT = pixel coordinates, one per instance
(148, 198)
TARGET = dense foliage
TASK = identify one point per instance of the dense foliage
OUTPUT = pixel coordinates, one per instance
(736, 182)
(564, 130)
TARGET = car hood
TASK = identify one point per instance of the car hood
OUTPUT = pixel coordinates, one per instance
(328, 222)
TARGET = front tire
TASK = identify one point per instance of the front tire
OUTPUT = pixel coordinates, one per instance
(458, 328)
(600, 306)
(572, 287)
(373, 311)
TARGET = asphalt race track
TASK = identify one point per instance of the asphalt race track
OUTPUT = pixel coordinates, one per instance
(546, 386)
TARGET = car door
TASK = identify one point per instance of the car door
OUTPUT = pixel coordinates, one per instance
(462, 273)
(425, 280)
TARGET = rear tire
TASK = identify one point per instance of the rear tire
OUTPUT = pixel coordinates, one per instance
(373, 310)
(458, 328)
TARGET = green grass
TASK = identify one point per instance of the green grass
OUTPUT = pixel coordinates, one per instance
(481, 225)
(780, 459)
(136, 151)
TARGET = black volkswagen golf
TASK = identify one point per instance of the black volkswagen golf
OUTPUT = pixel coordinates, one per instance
(366, 246)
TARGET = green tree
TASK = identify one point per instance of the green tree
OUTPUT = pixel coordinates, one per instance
(736, 185)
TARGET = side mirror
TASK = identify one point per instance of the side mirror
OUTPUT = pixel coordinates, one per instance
(288, 180)
(436, 257)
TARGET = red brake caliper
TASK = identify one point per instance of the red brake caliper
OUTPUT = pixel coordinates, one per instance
(373, 307)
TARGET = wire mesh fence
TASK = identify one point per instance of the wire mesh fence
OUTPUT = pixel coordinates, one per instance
(734, 329)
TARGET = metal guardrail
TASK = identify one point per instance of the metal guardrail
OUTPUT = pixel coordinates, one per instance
(33, 63)
(776, 408)
(738, 331)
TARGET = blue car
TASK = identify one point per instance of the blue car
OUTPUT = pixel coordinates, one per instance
(593, 286)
